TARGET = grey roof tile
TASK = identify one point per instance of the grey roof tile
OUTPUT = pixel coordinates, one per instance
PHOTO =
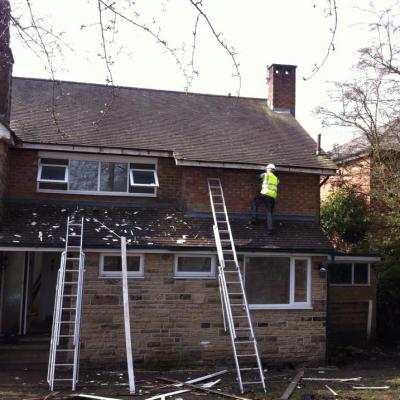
(44, 225)
(193, 126)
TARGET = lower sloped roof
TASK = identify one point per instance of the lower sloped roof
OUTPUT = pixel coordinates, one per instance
(44, 225)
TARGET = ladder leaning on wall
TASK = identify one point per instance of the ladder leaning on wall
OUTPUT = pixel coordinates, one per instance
(65, 337)
(235, 309)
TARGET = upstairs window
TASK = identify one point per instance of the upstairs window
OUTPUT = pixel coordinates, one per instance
(53, 174)
(87, 175)
(349, 274)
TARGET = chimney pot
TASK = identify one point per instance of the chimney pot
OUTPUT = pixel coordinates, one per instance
(282, 88)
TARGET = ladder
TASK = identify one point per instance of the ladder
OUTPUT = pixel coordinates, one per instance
(235, 309)
(63, 364)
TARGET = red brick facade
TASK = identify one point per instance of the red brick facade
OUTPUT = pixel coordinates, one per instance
(186, 186)
(3, 173)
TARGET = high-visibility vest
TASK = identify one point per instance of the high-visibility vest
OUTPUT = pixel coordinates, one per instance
(269, 185)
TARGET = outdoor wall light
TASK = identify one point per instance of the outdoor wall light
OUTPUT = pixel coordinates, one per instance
(322, 270)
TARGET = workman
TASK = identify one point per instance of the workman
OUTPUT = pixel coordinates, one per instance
(267, 195)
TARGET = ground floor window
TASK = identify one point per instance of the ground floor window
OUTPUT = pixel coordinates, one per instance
(278, 282)
(349, 274)
(110, 265)
(194, 266)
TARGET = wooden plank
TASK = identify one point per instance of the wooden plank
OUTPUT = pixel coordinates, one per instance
(220, 393)
(334, 379)
(164, 395)
(127, 322)
(370, 387)
(369, 320)
(203, 378)
(292, 385)
(331, 391)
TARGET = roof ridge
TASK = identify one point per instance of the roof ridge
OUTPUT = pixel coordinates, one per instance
(142, 89)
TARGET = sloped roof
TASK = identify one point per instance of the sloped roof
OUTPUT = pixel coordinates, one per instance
(195, 127)
(44, 225)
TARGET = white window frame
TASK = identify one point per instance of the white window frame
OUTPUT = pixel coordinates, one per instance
(99, 159)
(132, 181)
(352, 274)
(39, 174)
(195, 275)
(116, 274)
(292, 304)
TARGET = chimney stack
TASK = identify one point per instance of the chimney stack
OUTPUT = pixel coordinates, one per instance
(282, 88)
(6, 63)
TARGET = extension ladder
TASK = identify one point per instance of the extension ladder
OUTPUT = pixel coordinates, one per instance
(235, 309)
(65, 341)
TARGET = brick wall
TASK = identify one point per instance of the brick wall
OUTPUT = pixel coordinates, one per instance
(3, 173)
(298, 193)
(176, 322)
(22, 182)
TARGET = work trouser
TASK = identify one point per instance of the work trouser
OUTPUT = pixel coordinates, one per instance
(269, 203)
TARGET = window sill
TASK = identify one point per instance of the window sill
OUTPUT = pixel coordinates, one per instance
(95, 193)
(120, 277)
(350, 284)
(194, 277)
(279, 307)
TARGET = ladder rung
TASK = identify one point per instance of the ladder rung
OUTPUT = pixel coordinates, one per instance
(70, 295)
(73, 258)
(235, 294)
(68, 308)
(233, 282)
(239, 316)
(74, 246)
(231, 272)
(218, 204)
(70, 283)
(249, 369)
(55, 379)
(251, 383)
(64, 365)
(242, 329)
(74, 224)
(244, 341)
(247, 355)
(237, 305)
(65, 349)
(72, 270)
(67, 322)
(66, 336)
(223, 231)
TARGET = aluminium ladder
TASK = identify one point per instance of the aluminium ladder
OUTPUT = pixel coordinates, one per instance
(65, 338)
(235, 309)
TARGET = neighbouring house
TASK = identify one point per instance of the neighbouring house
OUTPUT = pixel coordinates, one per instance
(352, 284)
(138, 161)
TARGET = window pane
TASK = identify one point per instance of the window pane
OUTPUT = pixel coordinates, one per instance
(142, 166)
(340, 273)
(55, 161)
(300, 281)
(268, 280)
(194, 264)
(361, 273)
(113, 263)
(141, 189)
(113, 177)
(53, 186)
(53, 173)
(83, 175)
(143, 177)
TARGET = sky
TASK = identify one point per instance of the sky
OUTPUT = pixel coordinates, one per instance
(262, 32)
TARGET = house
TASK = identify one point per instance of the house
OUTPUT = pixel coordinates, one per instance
(352, 283)
(137, 161)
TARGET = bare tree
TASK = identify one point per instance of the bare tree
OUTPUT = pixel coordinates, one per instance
(370, 106)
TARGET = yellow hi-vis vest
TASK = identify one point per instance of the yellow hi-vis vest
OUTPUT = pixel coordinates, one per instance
(269, 185)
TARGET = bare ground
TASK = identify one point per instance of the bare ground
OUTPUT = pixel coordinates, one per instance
(375, 367)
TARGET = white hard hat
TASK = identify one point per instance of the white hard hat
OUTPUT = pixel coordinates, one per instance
(270, 166)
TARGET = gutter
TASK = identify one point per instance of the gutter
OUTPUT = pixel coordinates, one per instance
(257, 167)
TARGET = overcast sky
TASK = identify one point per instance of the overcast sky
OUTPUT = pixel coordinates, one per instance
(262, 32)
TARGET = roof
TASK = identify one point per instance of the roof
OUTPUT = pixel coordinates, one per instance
(195, 127)
(44, 225)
